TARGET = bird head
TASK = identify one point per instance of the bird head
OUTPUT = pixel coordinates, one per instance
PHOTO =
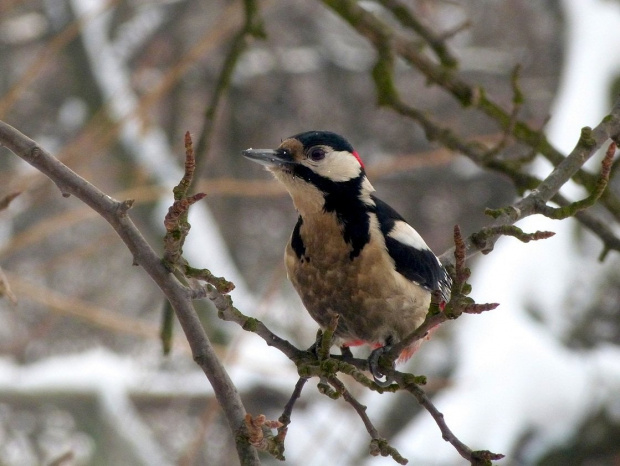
(313, 165)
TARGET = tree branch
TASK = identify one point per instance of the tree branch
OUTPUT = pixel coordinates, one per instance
(390, 43)
(536, 202)
(309, 365)
(252, 27)
(481, 457)
(378, 445)
(571, 209)
(443, 73)
(435, 41)
(180, 297)
(285, 417)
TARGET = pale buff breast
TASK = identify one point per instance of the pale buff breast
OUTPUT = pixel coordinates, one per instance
(372, 299)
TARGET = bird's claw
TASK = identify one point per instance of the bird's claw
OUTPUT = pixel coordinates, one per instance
(373, 364)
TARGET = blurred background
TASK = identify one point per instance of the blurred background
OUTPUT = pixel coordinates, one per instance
(110, 88)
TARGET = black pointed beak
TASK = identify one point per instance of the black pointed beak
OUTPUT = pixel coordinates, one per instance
(268, 157)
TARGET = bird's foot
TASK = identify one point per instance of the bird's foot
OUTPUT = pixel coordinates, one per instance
(373, 363)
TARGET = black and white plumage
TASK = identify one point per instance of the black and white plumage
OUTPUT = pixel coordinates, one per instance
(351, 253)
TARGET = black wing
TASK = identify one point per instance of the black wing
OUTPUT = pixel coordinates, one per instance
(412, 257)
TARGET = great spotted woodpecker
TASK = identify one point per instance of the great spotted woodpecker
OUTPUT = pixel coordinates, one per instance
(350, 253)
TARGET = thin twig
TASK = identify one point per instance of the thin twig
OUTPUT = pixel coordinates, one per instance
(480, 238)
(252, 27)
(326, 372)
(175, 222)
(178, 227)
(589, 142)
(389, 96)
(391, 43)
(378, 445)
(327, 338)
(517, 103)
(227, 312)
(599, 188)
(285, 418)
(481, 457)
(437, 42)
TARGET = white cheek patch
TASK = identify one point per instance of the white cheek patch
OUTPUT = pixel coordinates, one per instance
(365, 192)
(337, 166)
(405, 234)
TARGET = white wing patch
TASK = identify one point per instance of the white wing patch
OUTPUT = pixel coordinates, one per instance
(406, 234)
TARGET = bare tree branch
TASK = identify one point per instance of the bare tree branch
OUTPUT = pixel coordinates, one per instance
(378, 445)
(285, 417)
(180, 297)
(440, 70)
(310, 365)
(481, 457)
(390, 43)
(589, 143)
(252, 27)
(436, 42)
(577, 206)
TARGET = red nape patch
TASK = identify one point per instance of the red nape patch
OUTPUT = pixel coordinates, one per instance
(348, 344)
(357, 156)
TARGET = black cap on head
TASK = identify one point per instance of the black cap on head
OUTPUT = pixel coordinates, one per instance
(323, 138)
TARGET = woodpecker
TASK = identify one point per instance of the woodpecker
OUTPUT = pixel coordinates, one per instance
(350, 253)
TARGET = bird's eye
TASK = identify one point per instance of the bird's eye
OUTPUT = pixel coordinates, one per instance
(317, 154)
